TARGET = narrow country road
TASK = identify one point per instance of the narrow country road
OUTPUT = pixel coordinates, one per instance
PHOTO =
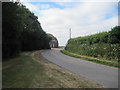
(105, 75)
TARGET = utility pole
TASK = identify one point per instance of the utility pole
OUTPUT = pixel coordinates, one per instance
(70, 32)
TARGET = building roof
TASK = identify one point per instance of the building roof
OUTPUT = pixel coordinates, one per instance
(52, 36)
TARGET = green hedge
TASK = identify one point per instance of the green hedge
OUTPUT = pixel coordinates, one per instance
(96, 60)
(104, 45)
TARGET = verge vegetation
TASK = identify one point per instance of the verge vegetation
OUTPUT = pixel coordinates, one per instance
(93, 59)
(31, 70)
(104, 46)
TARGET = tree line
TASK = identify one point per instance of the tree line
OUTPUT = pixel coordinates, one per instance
(21, 30)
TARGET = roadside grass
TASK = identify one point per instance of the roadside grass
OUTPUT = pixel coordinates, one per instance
(31, 70)
(20, 71)
(95, 60)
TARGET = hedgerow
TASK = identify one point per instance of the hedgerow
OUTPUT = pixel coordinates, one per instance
(104, 45)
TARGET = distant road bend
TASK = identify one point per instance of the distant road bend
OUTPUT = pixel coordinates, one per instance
(105, 75)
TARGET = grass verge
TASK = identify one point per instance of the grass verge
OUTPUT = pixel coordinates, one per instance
(31, 70)
(96, 60)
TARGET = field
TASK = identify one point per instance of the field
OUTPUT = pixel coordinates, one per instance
(31, 70)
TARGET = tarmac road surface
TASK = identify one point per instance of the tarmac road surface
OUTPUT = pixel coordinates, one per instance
(102, 74)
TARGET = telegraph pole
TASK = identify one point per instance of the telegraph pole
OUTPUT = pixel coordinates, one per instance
(70, 32)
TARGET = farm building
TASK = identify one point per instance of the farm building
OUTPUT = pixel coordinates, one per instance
(54, 42)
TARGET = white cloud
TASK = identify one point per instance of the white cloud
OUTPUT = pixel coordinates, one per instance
(69, 0)
(45, 6)
(84, 19)
(31, 7)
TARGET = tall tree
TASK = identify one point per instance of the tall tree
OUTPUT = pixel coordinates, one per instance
(21, 30)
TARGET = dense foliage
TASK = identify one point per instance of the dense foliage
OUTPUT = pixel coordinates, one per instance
(21, 30)
(104, 45)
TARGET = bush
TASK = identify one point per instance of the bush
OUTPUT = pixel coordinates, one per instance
(114, 36)
(103, 45)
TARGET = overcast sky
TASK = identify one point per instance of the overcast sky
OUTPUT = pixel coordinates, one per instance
(83, 17)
